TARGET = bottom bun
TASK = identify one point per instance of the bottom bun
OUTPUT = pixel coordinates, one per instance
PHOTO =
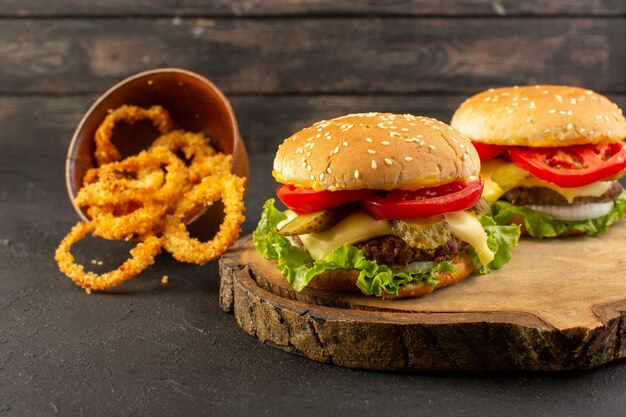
(343, 280)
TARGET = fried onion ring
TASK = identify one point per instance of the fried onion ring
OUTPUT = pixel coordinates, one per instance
(110, 183)
(176, 239)
(133, 220)
(105, 150)
(195, 148)
(142, 256)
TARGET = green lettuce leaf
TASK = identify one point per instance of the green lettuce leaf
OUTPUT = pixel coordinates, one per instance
(500, 239)
(543, 225)
(297, 266)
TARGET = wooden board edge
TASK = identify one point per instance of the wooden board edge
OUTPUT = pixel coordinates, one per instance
(386, 340)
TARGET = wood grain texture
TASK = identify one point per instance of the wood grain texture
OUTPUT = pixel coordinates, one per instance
(309, 56)
(561, 312)
(313, 7)
(264, 121)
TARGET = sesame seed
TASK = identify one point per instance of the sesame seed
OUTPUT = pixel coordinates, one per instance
(392, 134)
(569, 126)
(419, 136)
(371, 151)
(558, 98)
(431, 147)
(368, 140)
(455, 140)
(356, 173)
(569, 112)
(509, 111)
(598, 116)
(514, 104)
(532, 105)
(382, 126)
(292, 161)
(465, 156)
(308, 168)
(551, 111)
(336, 150)
(487, 98)
(581, 130)
(609, 132)
(312, 177)
(321, 176)
(345, 143)
(409, 140)
(408, 158)
(388, 161)
(384, 142)
(529, 119)
(606, 118)
(329, 170)
(461, 146)
(435, 127)
(405, 129)
(590, 132)
(374, 164)
(573, 101)
(544, 92)
(308, 154)
(561, 111)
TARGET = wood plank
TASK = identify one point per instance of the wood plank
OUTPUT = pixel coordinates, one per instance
(47, 123)
(519, 317)
(313, 7)
(342, 55)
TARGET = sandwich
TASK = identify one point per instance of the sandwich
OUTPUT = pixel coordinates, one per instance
(389, 205)
(551, 157)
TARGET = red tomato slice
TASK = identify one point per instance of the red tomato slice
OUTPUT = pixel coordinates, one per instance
(572, 166)
(426, 202)
(486, 151)
(305, 200)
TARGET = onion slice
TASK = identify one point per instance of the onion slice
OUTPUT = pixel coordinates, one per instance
(577, 212)
(419, 266)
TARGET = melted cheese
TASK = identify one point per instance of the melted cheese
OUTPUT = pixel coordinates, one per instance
(493, 191)
(465, 226)
(357, 227)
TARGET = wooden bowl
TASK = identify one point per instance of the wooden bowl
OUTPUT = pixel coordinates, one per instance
(195, 105)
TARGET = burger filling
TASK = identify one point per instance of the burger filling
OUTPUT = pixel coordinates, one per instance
(547, 209)
(388, 253)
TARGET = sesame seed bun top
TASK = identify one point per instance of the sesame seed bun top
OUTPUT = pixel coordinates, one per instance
(376, 151)
(540, 115)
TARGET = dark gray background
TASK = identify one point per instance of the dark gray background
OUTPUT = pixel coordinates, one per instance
(149, 349)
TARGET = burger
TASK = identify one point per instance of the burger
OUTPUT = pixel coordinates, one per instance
(551, 157)
(386, 204)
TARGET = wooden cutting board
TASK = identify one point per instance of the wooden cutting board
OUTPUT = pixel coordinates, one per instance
(559, 304)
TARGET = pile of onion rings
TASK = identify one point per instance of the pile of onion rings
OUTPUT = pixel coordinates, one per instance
(149, 198)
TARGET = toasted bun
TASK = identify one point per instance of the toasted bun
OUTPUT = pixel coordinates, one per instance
(375, 150)
(540, 115)
(341, 280)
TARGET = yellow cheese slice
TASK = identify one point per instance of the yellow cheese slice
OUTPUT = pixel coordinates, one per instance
(357, 227)
(465, 226)
(493, 190)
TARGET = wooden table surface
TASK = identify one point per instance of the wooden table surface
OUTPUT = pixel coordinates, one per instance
(149, 349)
